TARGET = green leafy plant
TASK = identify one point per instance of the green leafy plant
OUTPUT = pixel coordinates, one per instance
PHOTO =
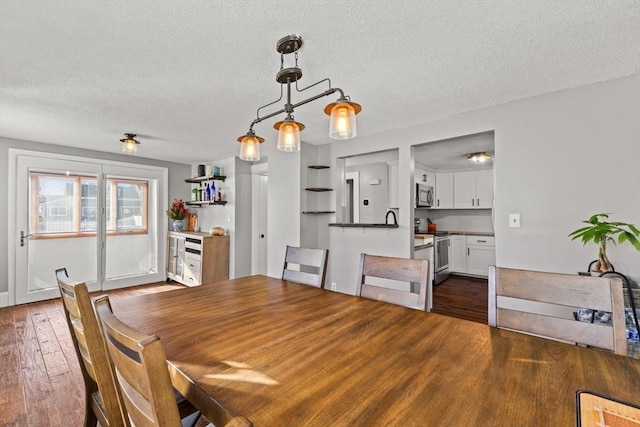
(600, 231)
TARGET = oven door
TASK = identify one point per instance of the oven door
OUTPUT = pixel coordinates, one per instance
(441, 268)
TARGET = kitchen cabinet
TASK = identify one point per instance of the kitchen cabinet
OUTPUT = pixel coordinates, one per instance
(473, 190)
(422, 176)
(471, 254)
(444, 190)
(196, 258)
(393, 187)
(458, 254)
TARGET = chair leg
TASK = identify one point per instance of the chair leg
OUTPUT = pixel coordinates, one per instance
(90, 419)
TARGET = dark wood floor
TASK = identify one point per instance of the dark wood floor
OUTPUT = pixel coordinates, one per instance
(40, 380)
(462, 297)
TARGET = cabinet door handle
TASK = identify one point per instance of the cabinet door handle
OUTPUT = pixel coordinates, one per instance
(438, 202)
(473, 202)
(482, 241)
(478, 204)
(468, 252)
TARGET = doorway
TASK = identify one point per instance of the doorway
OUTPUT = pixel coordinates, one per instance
(259, 218)
(97, 219)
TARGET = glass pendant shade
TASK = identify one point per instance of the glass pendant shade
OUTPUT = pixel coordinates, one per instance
(129, 144)
(250, 147)
(289, 135)
(343, 122)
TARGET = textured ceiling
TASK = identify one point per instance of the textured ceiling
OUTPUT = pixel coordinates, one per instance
(188, 76)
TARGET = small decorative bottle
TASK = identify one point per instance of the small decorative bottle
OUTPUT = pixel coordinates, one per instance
(213, 192)
(207, 193)
(194, 194)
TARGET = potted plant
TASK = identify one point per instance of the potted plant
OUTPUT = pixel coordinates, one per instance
(177, 212)
(600, 231)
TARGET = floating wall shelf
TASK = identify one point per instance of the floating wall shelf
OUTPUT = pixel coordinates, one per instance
(199, 179)
(318, 189)
(206, 203)
(318, 212)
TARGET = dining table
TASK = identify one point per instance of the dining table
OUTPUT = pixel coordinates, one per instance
(285, 354)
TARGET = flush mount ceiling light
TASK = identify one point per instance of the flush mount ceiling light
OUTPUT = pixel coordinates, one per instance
(343, 112)
(129, 144)
(479, 157)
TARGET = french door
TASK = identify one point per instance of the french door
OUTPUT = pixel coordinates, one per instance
(100, 221)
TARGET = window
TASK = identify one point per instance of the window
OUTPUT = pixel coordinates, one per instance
(67, 206)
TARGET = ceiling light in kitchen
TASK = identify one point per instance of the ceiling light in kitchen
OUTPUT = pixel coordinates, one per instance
(479, 157)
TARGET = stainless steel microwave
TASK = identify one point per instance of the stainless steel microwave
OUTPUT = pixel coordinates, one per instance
(424, 196)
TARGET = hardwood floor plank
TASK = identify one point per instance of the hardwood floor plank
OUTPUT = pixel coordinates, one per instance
(12, 402)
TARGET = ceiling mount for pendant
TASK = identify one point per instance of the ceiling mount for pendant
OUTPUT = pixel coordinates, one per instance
(289, 44)
(342, 112)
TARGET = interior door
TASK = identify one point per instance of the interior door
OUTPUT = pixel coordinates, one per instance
(57, 215)
(262, 257)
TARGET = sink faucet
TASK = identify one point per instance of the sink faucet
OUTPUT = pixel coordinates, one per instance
(386, 218)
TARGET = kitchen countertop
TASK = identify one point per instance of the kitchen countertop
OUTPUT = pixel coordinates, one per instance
(462, 233)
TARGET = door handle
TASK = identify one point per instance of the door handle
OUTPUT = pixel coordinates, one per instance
(22, 237)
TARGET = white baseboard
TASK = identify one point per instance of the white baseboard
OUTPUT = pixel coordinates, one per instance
(4, 299)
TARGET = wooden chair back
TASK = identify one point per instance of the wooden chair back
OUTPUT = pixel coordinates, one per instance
(415, 271)
(142, 373)
(305, 258)
(596, 293)
(103, 399)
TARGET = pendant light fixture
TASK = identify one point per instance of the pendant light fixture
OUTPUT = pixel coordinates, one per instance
(343, 111)
(129, 144)
(479, 157)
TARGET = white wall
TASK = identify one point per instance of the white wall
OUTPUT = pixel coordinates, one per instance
(235, 216)
(559, 158)
(283, 206)
(376, 194)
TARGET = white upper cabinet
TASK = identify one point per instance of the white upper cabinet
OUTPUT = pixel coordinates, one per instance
(422, 176)
(484, 189)
(473, 190)
(444, 191)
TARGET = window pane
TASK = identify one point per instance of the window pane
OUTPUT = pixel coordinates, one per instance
(89, 206)
(126, 208)
(54, 200)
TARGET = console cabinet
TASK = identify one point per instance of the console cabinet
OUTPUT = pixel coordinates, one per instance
(197, 258)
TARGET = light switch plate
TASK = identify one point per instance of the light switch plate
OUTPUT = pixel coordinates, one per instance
(514, 220)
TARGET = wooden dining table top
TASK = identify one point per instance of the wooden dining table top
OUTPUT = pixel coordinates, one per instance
(284, 354)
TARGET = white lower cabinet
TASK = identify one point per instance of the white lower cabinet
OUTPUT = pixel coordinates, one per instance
(458, 254)
(472, 254)
(195, 258)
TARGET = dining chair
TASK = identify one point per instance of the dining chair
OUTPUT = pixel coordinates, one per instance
(312, 264)
(142, 373)
(103, 401)
(414, 271)
(561, 290)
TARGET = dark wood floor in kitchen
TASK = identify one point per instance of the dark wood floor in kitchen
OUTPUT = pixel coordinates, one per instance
(462, 297)
(40, 380)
